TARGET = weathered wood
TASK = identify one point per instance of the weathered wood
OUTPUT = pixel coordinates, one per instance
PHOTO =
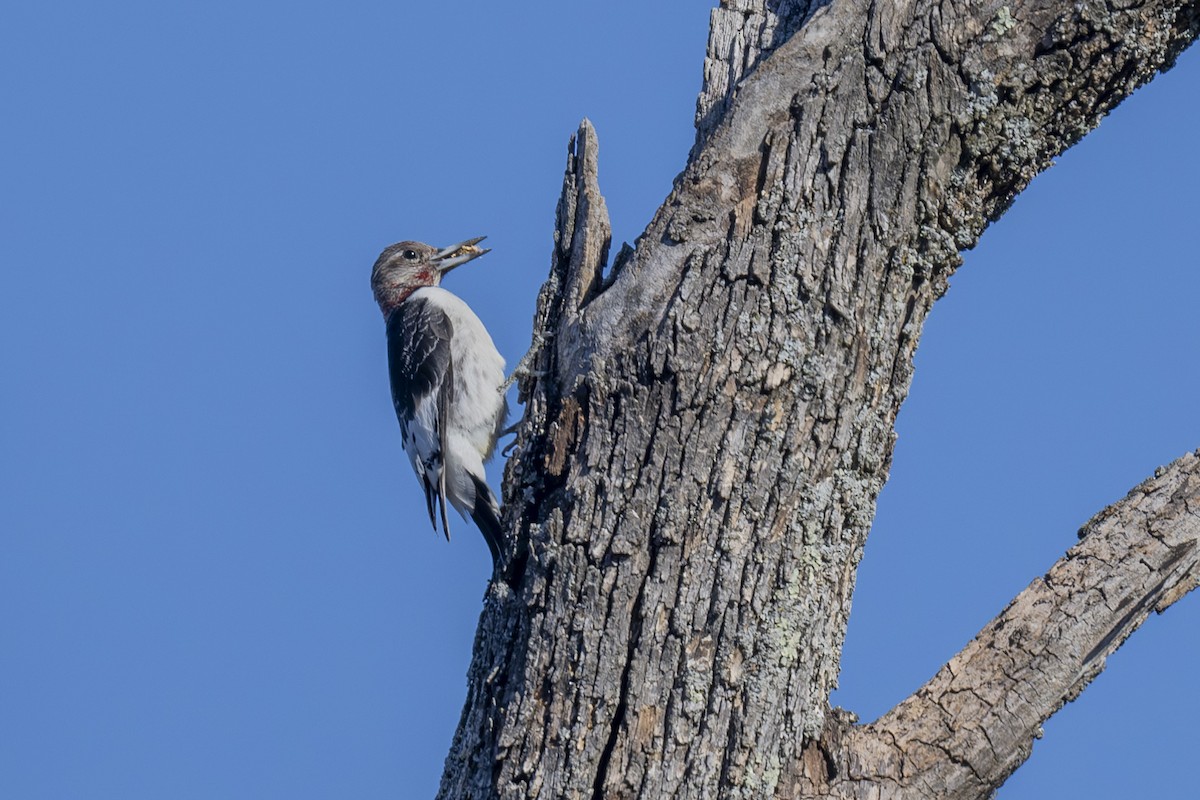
(708, 425)
(740, 34)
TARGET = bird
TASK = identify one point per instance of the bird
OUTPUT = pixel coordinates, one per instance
(446, 380)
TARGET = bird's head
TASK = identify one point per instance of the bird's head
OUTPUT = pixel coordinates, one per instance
(404, 267)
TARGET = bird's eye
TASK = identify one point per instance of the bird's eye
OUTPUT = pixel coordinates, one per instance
(411, 255)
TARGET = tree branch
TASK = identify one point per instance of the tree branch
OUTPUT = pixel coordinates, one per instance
(972, 724)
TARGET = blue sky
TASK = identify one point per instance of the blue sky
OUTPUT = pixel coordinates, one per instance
(216, 579)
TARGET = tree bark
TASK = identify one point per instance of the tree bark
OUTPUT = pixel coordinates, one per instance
(709, 422)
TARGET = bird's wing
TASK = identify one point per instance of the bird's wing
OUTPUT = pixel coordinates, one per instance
(445, 398)
(419, 364)
(418, 334)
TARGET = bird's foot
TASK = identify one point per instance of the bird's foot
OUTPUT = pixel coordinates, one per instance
(524, 368)
(522, 371)
(511, 430)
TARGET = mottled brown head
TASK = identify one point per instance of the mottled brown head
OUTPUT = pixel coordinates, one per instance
(404, 267)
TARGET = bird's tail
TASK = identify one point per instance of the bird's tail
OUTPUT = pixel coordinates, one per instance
(486, 514)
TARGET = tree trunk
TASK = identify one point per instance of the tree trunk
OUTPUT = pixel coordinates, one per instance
(708, 424)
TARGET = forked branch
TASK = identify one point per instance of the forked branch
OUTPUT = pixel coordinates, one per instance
(708, 423)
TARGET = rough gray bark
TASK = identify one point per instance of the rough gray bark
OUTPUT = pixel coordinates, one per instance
(709, 424)
(741, 33)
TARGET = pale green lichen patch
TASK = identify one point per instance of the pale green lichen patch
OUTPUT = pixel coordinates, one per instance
(762, 775)
(1003, 22)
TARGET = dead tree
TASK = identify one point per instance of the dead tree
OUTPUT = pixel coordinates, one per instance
(709, 422)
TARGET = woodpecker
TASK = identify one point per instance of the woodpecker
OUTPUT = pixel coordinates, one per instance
(446, 380)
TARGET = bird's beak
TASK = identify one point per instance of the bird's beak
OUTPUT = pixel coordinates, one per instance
(458, 254)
